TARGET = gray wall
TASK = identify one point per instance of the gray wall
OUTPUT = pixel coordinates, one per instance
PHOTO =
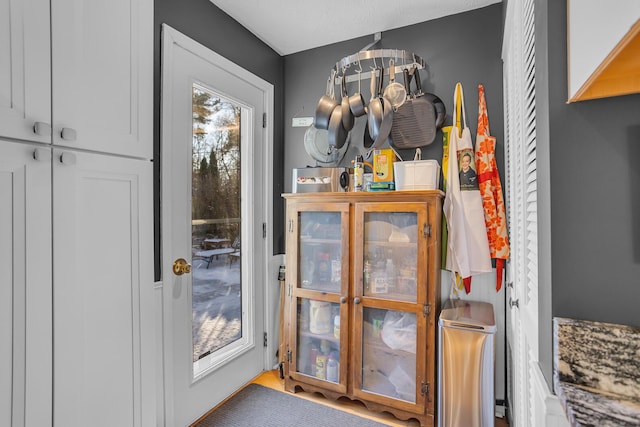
(208, 25)
(592, 149)
(464, 47)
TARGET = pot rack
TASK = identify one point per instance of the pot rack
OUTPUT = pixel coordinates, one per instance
(359, 65)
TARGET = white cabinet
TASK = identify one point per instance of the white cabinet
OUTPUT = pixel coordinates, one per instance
(25, 286)
(102, 291)
(76, 221)
(102, 73)
(82, 69)
(76, 288)
(25, 69)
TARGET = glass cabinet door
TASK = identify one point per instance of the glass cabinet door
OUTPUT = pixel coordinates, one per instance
(390, 264)
(319, 294)
(390, 294)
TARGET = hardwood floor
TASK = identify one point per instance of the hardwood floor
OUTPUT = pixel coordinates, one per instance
(272, 380)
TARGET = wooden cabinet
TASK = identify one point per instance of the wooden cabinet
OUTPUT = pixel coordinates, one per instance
(78, 74)
(362, 286)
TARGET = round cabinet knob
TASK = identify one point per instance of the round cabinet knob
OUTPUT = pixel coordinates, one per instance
(181, 266)
(356, 300)
(343, 300)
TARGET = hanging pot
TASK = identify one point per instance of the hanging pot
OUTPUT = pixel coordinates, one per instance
(441, 111)
(326, 104)
(337, 132)
(356, 101)
(375, 113)
(347, 116)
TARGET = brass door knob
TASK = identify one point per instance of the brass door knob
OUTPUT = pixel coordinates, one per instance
(181, 266)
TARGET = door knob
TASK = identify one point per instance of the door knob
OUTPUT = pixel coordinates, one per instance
(343, 300)
(356, 300)
(181, 266)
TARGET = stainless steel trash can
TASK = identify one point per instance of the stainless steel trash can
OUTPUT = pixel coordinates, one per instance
(466, 364)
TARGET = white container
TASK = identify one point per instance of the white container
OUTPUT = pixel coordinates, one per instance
(417, 175)
(320, 317)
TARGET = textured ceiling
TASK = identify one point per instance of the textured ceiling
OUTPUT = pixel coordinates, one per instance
(290, 26)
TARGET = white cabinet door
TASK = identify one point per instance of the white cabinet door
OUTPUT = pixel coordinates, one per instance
(25, 69)
(102, 73)
(25, 285)
(103, 291)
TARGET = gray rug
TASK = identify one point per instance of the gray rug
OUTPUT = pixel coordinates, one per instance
(258, 406)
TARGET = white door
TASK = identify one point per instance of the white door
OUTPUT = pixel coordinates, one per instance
(521, 194)
(25, 285)
(213, 216)
(103, 329)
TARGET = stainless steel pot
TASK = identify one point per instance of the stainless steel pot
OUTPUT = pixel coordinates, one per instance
(326, 104)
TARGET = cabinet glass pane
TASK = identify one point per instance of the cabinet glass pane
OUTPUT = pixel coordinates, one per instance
(389, 353)
(318, 340)
(391, 255)
(320, 262)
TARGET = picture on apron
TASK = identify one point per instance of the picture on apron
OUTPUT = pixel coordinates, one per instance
(466, 167)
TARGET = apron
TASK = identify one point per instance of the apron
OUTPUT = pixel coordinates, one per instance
(491, 190)
(467, 244)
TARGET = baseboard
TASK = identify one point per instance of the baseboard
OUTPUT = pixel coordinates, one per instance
(547, 409)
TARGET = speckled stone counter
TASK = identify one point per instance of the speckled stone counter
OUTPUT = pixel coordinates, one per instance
(597, 372)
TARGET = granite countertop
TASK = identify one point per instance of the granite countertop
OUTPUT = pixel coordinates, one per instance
(597, 372)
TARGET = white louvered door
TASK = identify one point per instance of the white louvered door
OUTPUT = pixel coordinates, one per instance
(521, 200)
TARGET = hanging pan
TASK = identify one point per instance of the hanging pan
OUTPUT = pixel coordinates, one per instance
(316, 144)
(326, 104)
(414, 123)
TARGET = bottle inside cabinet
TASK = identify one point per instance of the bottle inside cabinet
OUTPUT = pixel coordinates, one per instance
(320, 258)
(390, 255)
(318, 339)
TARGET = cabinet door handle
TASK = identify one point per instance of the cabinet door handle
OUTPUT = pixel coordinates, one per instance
(67, 158)
(68, 134)
(343, 300)
(42, 129)
(514, 303)
(42, 154)
(356, 300)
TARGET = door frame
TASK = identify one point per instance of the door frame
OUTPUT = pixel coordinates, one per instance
(171, 38)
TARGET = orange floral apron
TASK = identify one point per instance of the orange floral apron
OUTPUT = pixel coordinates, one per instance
(491, 190)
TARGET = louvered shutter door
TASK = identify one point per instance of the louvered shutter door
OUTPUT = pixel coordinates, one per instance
(521, 202)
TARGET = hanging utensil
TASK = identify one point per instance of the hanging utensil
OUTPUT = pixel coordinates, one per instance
(414, 123)
(356, 101)
(347, 116)
(395, 92)
(326, 104)
(316, 144)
